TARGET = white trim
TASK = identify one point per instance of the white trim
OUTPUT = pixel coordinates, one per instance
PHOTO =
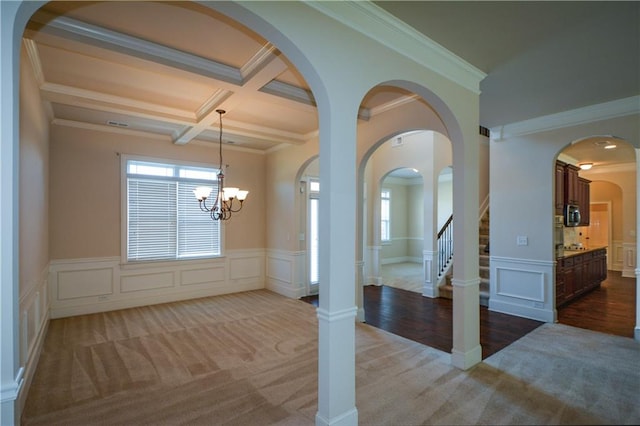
(102, 284)
(629, 261)
(79, 30)
(347, 418)
(401, 259)
(285, 272)
(377, 24)
(465, 283)
(523, 287)
(334, 316)
(11, 389)
(575, 117)
(522, 261)
(466, 360)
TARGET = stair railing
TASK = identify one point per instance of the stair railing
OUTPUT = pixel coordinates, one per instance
(445, 245)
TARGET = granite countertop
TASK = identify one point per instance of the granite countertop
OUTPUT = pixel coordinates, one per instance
(574, 252)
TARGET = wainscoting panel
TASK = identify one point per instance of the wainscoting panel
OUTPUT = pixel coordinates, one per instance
(34, 319)
(84, 283)
(147, 281)
(83, 286)
(523, 287)
(202, 276)
(286, 273)
(617, 256)
(526, 285)
(629, 255)
(243, 268)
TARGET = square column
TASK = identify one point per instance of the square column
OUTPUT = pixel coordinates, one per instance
(466, 350)
(338, 279)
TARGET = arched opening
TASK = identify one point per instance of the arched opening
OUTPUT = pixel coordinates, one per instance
(596, 260)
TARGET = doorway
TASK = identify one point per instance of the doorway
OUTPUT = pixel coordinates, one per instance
(313, 232)
(598, 233)
(401, 229)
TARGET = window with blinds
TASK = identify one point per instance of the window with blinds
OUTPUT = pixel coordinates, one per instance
(164, 221)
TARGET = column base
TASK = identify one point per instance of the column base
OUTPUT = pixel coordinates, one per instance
(350, 418)
(465, 361)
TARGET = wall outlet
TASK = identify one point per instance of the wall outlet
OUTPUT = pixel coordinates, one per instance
(522, 240)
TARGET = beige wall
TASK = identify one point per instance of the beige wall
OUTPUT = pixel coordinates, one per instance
(283, 199)
(85, 180)
(620, 189)
(34, 184)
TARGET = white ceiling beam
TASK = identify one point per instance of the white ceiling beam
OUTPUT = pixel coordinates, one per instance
(103, 102)
(98, 36)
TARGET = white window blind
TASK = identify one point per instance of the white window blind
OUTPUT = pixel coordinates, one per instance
(164, 221)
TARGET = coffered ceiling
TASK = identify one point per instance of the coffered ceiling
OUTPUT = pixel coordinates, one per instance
(165, 67)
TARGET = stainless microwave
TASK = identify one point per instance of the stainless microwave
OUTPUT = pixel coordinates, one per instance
(571, 215)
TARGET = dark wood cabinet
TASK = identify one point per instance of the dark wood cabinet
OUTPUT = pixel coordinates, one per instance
(571, 184)
(584, 200)
(559, 187)
(579, 273)
(572, 189)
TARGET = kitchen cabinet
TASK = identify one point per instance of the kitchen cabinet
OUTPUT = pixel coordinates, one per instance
(579, 272)
(572, 189)
(559, 187)
(584, 200)
(571, 184)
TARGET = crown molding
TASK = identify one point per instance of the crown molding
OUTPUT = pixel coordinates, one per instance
(377, 24)
(398, 102)
(603, 111)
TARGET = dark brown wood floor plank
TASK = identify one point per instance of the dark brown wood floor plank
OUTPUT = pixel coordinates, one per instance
(608, 309)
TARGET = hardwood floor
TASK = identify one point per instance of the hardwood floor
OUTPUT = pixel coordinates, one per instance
(428, 321)
(609, 309)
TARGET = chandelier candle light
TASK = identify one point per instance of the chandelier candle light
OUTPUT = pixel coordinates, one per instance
(224, 205)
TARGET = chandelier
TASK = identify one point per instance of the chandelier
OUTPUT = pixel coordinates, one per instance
(225, 203)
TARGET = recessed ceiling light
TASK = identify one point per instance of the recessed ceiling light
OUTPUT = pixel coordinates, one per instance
(586, 166)
(610, 146)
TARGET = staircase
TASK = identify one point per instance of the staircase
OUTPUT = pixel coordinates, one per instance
(446, 290)
(484, 259)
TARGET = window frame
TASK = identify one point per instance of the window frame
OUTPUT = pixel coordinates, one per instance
(386, 240)
(124, 217)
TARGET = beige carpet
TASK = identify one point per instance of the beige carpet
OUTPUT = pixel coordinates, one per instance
(404, 275)
(251, 359)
